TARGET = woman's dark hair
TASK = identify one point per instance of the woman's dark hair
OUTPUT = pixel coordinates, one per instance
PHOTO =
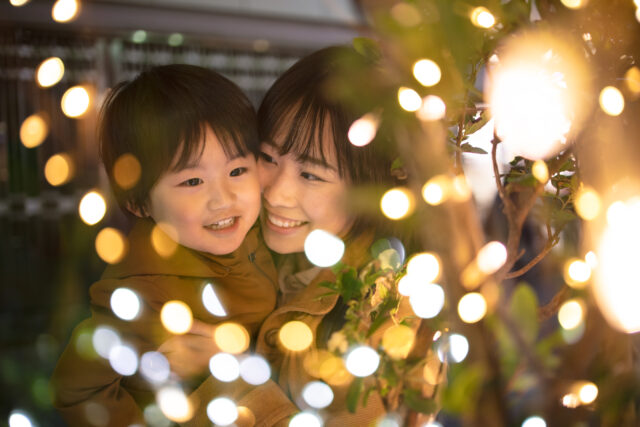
(161, 116)
(304, 101)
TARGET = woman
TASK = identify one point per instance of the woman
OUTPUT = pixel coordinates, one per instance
(308, 170)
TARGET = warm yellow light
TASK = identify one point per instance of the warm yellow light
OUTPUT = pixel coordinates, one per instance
(92, 208)
(164, 239)
(126, 171)
(481, 17)
(406, 14)
(592, 259)
(537, 80)
(424, 266)
(611, 101)
(460, 190)
(433, 372)
(632, 78)
(437, 190)
(397, 203)
(571, 314)
(587, 203)
(64, 10)
(409, 99)
(33, 131)
(231, 337)
(295, 336)
(588, 392)
(574, 4)
(540, 171)
(363, 130)
(50, 72)
(491, 257)
(433, 108)
(326, 366)
(111, 245)
(58, 170)
(577, 273)
(174, 404)
(18, 3)
(397, 341)
(472, 307)
(176, 317)
(616, 281)
(75, 102)
(427, 72)
(570, 400)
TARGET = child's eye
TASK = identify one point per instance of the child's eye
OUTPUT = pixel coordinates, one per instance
(191, 182)
(310, 177)
(237, 171)
(267, 158)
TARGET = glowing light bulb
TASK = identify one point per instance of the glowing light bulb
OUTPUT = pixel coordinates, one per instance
(33, 131)
(424, 266)
(225, 367)
(75, 102)
(587, 203)
(433, 108)
(427, 300)
(222, 411)
(126, 171)
(534, 421)
(588, 393)
(632, 76)
(363, 130)
(124, 360)
(491, 257)
(58, 170)
(472, 307)
(577, 273)
(323, 248)
(176, 317)
(574, 4)
(409, 99)
(592, 259)
(397, 203)
(295, 335)
(305, 419)
(317, 394)
(19, 418)
(104, 339)
(92, 208)
(540, 171)
(154, 366)
(571, 314)
(125, 303)
(174, 404)
(255, 370)
(64, 10)
(437, 190)
(481, 17)
(111, 245)
(211, 301)
(397, 341)
(50, 71)
(427, 72)
(231, 337)
(18, 3)
(362, 361)
(611, 101)
(455, 348)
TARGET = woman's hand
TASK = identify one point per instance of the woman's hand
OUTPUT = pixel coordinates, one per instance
(189, 354)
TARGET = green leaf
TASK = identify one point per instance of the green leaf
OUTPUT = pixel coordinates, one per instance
(524, 311)
(468, 148)
(390, 259)
(380, 246)
(328, 285)
(415, 401)
(382, 314)
(350, 285)
(353, 394)
(477, 125)
(463, 388)
(527, 180)
(367, 48)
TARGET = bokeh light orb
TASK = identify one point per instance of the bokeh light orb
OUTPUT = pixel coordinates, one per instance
(482, 17)
(362, 361)
(174, 404)
(33, 131)
(222, 411)
(427, 72)
(50, 71)
(305, 419)
(409, 99)
(176, 317)
(18, 418)
(111, 245)
(397, 203)
(362, 131)
(125, 303)
(255, 370)
(225, 367)
(75, 102)
(58, 169)
(126, 171)
(427, 300)
(611, 101)
(295, 335)
(323, 248)
(472, 307)
(317, 394)
(424, 266)
(231, 337)
(64, 10)
(92, 208)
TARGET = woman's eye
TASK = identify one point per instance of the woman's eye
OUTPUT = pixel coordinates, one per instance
(310, 177)
(237, 171)
(191, 182)
(267, 158)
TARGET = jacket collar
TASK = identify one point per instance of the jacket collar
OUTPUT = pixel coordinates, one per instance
(142, 258)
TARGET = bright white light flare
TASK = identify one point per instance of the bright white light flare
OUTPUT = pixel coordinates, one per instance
(427, 300)
(75, 102)
(362, 361)
(424, 267)
(317, 394)
(397, 203)
(481, 17)
(211, 301)
(64, 10)
(125, 303)
(323, 248)
(472, 307)
(92, 208)
(491, 257)
(409, 99)
(534, 421)
(611, 101)
(222, 411)
(427, 72)
(176, 317)
(363, 130)
(50, 72)
(225, 367)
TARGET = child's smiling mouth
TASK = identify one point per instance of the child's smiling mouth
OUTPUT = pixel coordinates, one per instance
(223, 224)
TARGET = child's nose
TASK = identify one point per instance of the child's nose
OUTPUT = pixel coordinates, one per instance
(221, 197)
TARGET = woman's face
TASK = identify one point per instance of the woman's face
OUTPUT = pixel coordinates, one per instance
(300, 195)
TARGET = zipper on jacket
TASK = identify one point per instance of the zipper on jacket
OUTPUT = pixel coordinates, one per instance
(252, 260)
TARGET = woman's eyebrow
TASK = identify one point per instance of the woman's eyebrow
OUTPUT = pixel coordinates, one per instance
(317, 162)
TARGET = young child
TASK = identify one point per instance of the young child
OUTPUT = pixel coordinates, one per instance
(193, 133)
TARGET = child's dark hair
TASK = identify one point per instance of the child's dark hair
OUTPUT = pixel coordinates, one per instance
(303, 102)
(161, 116)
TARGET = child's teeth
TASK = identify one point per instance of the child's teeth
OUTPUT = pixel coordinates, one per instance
(222, 224)
(285, 223)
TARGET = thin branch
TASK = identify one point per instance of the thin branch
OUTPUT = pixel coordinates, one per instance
(496, 173)
(550, 244)
(551, 308)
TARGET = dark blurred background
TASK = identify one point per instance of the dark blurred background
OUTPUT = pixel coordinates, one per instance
(47, 253)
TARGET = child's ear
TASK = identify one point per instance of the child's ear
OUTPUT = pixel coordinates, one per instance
(140, 212)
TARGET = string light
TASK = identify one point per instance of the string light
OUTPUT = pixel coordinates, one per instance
(427, 300)
(587, 203)
(174, 404)
(481, 17)
(317, 394)
(164, 239)
(255, 370)
(92, 208)
(427, 72)
(222, 411)
(176, 317)
(362, 131)
(225, 367)
(64, 10)
(18, 418)
(409, 99)
(75, 102)
(571, 314)
(362, 361)
(574, 4)
(534, 421)
(127, 171)
(472, 307)
(611, 101)
(111, 245)
(397, 341)
(58, 170)
(154, 366)
(125, 303)
(211, 301)
(397, 203)
(577, 273)
(540, 171)
(433, 108)
(50, 71)
(491, 257)
(425, 266)
(18, 3)
(295, 335)
(323, 248)
(231, 337)
(33, 131)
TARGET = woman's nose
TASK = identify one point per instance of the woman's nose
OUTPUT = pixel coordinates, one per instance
(279, 189)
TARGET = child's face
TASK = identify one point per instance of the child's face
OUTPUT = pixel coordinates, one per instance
(300, 196)
(211, 204)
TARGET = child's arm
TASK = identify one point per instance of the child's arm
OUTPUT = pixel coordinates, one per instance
(189, 354)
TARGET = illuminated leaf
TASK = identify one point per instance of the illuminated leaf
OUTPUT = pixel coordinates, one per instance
(524, 311)
(353, 394)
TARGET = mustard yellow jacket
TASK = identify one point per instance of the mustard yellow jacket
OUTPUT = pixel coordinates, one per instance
(87, 390)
